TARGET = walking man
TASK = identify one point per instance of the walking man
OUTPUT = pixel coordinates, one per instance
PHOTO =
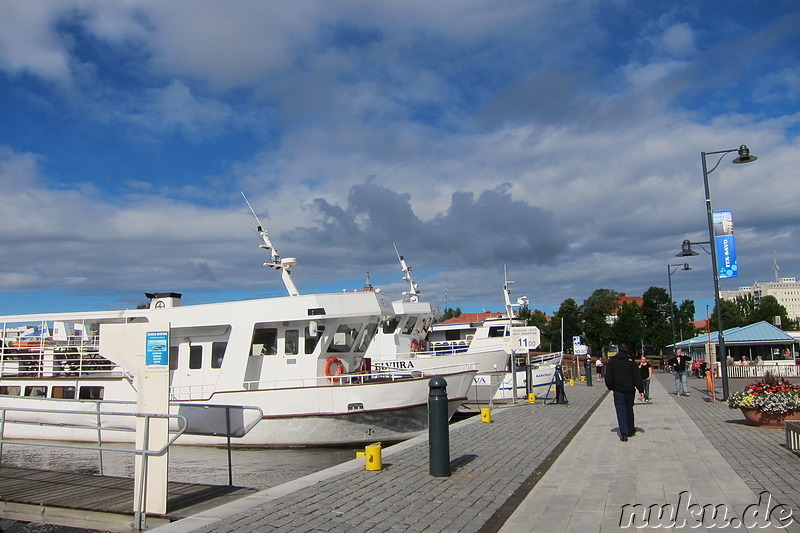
(624, 378)
(680, 363)
(647, 374)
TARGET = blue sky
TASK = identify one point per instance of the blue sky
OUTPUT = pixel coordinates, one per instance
(557, 140)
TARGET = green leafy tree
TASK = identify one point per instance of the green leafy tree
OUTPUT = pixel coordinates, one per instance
(629, 327)
(732, 316)
(449, 313)
(685, 320)
(767, 310)
(569, 314)
(596, 313)
(656, 315)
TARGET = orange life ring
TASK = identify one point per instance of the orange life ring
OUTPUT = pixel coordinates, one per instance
(414, 346)
(339, 369)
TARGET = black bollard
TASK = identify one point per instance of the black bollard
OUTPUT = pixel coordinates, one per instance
(438, 430)
(561, 396)
(528, 380)
(588, 366)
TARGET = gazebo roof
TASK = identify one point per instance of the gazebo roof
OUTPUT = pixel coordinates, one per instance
(758, 333)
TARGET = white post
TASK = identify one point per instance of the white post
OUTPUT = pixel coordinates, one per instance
(133, 347)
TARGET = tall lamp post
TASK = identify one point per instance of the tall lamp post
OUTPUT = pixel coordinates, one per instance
(670, 272)
(744, 157)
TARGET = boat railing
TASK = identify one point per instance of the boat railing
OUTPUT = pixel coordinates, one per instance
(57, 361)
(18, 415)
(382, 375)
(183, 393)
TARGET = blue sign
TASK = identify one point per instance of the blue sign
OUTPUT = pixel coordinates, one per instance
(727, 267)
(157, 349)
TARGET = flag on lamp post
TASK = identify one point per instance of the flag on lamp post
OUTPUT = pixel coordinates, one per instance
(727, 267)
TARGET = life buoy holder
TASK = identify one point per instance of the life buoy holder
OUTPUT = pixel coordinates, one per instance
(417, 346)
(331, 372)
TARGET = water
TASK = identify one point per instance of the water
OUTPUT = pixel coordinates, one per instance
(258, 468)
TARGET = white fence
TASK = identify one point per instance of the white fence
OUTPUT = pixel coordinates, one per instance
(758, 371)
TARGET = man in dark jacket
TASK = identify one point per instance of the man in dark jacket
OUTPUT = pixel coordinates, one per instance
(623, 378)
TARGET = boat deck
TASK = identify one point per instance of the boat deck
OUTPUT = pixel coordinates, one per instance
(97, 502)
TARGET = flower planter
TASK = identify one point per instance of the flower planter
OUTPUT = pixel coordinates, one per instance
(759, 418)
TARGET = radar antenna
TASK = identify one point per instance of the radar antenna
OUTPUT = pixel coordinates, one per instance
(285, 265)
(413, 292)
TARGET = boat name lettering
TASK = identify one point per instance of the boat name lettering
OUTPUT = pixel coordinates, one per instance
(382, 365)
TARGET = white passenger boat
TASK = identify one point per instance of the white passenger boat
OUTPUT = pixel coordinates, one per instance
(404, 341)
(300, 359)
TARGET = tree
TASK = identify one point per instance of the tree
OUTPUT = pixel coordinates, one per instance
(656, 315)
(732, 316)
(629, 327)
(596, 313)
(685, 320)
(569, 314)
(767, 310)
(449, 313)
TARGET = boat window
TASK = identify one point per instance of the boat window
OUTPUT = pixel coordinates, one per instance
(497, 331)
(390, 325)
(313, 340)
(195, 357)
(90, 393)
(291, 342)
(217, 353)
(409, 327)
(66, 393)
(9, 390)
(369, 333)
(452, 335)
(265, 341)
(173, 357)
(344, 338)
(35, 390)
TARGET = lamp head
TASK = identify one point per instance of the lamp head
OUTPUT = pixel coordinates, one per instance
(686, 266)
(744, 156)
(686, 251)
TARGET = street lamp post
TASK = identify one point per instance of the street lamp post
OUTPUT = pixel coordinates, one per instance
(670, 272)
(744, 157)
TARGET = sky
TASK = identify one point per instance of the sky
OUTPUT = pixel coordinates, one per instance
(553, 143)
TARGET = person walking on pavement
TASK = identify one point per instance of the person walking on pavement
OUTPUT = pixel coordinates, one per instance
(679, 362)
(623, 379)
(599, 365)
(647, 373)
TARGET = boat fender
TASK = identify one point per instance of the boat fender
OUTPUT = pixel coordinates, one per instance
(331, 372)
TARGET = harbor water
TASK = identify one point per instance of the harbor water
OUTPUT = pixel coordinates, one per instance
(258, 468)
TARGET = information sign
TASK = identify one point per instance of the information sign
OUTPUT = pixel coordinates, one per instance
(525, 338)
(157, 348)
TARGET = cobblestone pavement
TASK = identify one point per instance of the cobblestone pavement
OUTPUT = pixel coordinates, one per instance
(759, 455)
(494, 466)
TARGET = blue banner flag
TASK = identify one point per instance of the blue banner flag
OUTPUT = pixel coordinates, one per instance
(727, 267)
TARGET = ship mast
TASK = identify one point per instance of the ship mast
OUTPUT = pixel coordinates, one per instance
(413, 292)
(285, 265)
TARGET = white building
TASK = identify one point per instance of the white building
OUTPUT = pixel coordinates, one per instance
(785, 290)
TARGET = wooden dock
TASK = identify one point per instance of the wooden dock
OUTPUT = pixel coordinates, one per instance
(97, 502)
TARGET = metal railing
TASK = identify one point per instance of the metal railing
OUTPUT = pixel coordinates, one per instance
(140, 512)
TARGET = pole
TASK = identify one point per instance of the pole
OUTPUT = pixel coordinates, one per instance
(438, 430)
(714, 269)
(671, 305)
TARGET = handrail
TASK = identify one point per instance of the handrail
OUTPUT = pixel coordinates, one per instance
(140, 513)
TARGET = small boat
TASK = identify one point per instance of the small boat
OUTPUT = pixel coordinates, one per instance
(299, 360)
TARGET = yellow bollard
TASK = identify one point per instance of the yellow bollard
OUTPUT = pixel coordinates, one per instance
(572, 383)
(373, 456)
(531, 397)
(583, 378)
(486, 415)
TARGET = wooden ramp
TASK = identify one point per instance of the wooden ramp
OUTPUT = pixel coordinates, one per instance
(97, 502)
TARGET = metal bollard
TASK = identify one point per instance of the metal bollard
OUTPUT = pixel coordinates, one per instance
(438, 430)
(372, 454)
(588, 366)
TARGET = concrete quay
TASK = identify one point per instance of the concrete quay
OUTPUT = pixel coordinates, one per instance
(550, 468)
